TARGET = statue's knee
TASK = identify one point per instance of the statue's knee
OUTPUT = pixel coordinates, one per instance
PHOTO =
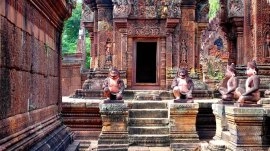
(106, 90)
(176, 89)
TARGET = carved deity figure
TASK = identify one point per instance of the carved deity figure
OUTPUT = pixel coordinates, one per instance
(228, 92)
(183, 51)
(182, 86)
(266, 48)
(108, 53)
(113, 86)
(251, 93)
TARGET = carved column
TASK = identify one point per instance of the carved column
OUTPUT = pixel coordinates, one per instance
(124, 47)
(183, 124)
(129, 62)
(92, 51)
(104, 33)
(95, 43)
(245, 125)
(163, 63)
(114, 134)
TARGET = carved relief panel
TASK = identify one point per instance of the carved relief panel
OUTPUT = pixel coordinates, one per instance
(235, 8)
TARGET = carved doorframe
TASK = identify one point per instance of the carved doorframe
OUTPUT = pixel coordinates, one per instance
(134, 52)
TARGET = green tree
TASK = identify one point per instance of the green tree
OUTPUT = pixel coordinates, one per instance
(214, 6)
(71, 31)
(87, 49)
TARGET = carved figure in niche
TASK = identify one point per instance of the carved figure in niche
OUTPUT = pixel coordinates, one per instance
(228, 92)
(164, 9)
(183, 51)
(251, 93)
(108, 53)
(182, 86)
(266, 48)
(113, 86)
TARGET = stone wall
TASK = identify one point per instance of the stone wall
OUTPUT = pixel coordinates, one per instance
(71, 73)
(30, 35)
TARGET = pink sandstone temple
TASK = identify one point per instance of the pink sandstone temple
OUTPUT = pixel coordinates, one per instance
(148, 41)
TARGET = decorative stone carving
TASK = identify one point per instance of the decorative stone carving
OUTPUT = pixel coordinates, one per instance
(121, 8)
(202, 10)
(184, 51)
(174, 9)
(145, 28)
(235, 8)
(88, 14)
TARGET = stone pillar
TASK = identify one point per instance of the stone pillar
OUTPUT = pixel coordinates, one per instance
(104, 30)
(221, 120)
(183, 125)
(169, 48)
(114, 134)
(245, 125)
(124, 46)
(163, 63)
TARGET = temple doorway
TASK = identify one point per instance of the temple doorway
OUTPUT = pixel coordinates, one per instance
(146, 63)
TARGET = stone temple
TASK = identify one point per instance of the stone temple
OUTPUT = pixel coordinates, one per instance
(148, 41)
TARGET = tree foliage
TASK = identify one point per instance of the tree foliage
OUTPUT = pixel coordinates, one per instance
(71, 31)
(214, 6)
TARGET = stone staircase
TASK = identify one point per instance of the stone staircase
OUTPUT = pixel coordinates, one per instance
(84, 120)
(148, 123)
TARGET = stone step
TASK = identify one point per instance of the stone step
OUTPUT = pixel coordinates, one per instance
(74, 146)
(148, 130)
(148, 121)
(148, 113)
(226, 136)
(113, 147)
(149, 105)
(149, 140)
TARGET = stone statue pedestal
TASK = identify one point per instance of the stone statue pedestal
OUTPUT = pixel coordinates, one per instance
(221, 120)
(114, 134)
(183, 125)
(245, 125)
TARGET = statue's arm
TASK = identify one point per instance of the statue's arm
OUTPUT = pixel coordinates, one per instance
(174, 83)
(191, 85)
(256, 82)
(121, 85)
(105, 83)
(235, 85)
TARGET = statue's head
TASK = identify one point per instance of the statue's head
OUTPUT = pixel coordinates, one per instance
(182, 73)
(251, 68)
(231, 70)
(114, 73)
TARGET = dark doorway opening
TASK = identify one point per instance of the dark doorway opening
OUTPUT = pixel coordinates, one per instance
(146, 62)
